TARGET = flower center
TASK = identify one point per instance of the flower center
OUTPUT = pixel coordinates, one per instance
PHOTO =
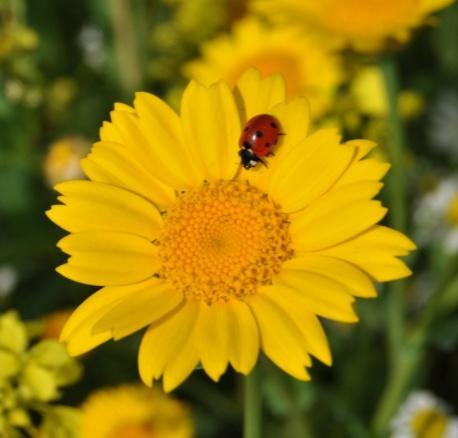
(223, 240)
(429, 424)
(272, 62)
(367, 17)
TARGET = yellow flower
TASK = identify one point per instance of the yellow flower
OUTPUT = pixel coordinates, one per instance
(134, 412)
(308, 68)
(365, 25)
(218, 261)
(62, 161)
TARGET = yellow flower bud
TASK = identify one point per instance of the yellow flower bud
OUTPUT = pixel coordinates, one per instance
(18, 418)
(13, 336)
(9, 364)
(39, 383)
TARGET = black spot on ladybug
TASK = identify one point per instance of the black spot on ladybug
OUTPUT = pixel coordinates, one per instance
(259, 134)
(267, 145)
(246, 145)
(274, 125)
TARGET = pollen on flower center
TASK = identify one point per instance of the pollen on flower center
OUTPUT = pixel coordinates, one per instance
(222, 240)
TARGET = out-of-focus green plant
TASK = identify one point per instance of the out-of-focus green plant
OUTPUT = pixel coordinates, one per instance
(31, 376)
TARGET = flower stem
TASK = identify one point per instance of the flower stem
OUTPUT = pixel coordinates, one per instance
(252, 409)
(397, 385)
(126, 45)
(443, 300)
(397, 201)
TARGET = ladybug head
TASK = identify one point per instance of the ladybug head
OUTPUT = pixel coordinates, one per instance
(248, 159)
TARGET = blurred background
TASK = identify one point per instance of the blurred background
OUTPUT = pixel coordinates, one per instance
(64, 64)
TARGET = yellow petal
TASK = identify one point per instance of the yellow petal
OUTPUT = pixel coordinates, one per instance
(364, 170)
(375, 252)
(153, 148)
(363, 147)
(112, 163)
(309, 224)
(318, 294)
(384, 237)
(294, 118)
(243, 337)
(163, 132)
(212, 131)
(108, 132)
(134, 139)
(313, 231)
(337, 199)
(256, 95)
(91, 206)
(181, 365)
(308, 170)
(108, 259)
(119, 106)
(315, 339)
(281, 340)
(165, 339)
(338, 270)
(212, 338)
(144, 305)
(77, 332)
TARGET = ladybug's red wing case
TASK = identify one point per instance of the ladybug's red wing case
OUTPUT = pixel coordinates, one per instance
(258, 139)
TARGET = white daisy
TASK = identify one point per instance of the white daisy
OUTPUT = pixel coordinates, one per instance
(436, 215)
(424, 416)
(91, 41)
(8, 280)
(444, 124)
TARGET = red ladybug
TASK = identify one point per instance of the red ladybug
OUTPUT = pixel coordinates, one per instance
(258, 139)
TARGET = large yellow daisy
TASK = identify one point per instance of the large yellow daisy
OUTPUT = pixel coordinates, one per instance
(308, 67)
(132, 411)
(365, 25)
(217, 261)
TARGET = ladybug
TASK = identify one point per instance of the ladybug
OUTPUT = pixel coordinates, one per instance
(258, 139)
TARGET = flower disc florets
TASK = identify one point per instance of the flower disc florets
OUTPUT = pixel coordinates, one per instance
(223, 240)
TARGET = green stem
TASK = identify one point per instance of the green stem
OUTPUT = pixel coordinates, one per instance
(397, 203)
(18, 9)
(397, 385)
(126, 45)
(252, 408)
(411, 354)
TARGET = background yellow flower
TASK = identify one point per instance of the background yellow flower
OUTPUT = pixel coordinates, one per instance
(132, 411)
(309, 68)
(366, 25)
